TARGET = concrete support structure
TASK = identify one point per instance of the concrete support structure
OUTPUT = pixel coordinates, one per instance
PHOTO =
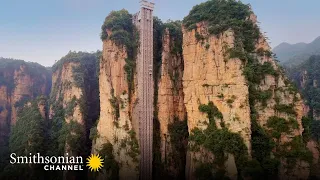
(144, 22)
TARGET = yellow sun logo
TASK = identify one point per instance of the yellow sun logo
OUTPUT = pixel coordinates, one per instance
(94, 162)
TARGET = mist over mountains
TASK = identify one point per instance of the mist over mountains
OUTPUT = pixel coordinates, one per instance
(295, 54)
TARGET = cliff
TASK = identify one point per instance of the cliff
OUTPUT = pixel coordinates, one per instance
(20, 82)
(306, 78)
(117, 130)
(210, 77)
(217, 88)
(171, 112)
(74, 104)
(223, 108)
(235, 92)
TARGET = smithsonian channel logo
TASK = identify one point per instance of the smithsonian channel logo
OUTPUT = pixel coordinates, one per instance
(59, 163)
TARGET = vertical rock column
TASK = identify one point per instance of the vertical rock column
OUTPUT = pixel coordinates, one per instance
(170, 105)
(209, 75)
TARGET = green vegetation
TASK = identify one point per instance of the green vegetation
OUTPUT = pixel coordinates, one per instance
(221, 96)
(94, 133)
(84, 59)
(231, 101)
(294, 123)
(158, 30)
(311, 88)
(131, 143)
(255, 72)
(295, 149)
(224, 15)
(78, 76)
(70, 106)
(133, 146)
(75, 134)
(211, 110)
(315, 130)
(278, 126)
(115, 105)
(284, 108)
(29, 128)
(233, 15)
(61, 132)
(266, 141)
(298, 150)
(123, 33)
(263, 96)
(38, 73)
(306, 124)
(161, 169)
(199, 37)
(207, 46)
(55, 131)
(262, 146)
(84, 73)
(220, 142)
(178, 135)
(110, 165)
(28, 135)
(24, 99)
(311, 129)
(262, 52)
(217, 141)
(175, 31)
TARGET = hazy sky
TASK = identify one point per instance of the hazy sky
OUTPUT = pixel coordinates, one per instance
(45, 30)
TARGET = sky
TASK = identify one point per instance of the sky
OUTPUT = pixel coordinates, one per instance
(45, 30)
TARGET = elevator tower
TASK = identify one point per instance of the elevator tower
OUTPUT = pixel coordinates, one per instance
(144, 23)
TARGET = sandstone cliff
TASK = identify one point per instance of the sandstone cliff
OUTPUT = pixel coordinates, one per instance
(210, 76)
(171, 112)
(116, 125)
(20, 82)
(306, 76)
(232, 86)
(117, 128)
(73, 104)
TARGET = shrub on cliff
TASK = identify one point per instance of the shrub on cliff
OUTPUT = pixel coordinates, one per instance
(123, 33)
(40, 74)
(222, 15)
(176, 36)
(83, 58)
(219, 142)
(29, 132)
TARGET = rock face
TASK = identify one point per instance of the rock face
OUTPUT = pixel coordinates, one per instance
(209, 76)
(171, 108)
(74, 83)
(19, 83)
(213, 74)
(282, 95)
(306, 77)
(73, 103)
(117, 124)
(314, 148)
(64, 84)
(281, 92)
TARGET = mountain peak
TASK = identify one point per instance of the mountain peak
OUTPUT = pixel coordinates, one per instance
(296, 52)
